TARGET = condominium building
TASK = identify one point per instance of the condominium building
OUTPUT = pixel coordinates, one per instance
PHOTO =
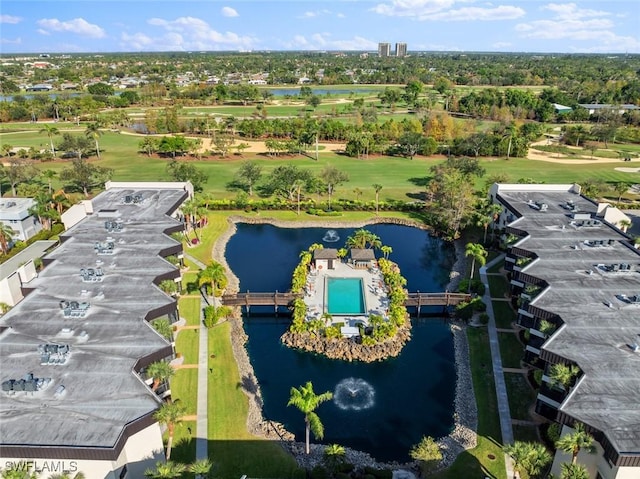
(74, 395)
(384, 49)
(14, 212)
(575, 281)
(401, 50)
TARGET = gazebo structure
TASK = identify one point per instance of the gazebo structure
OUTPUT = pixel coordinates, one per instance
(324, 258)
(361, 258)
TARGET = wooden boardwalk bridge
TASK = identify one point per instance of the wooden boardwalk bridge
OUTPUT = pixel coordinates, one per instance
(276, 299)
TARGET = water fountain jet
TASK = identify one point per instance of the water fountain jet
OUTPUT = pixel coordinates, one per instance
(354, 394)
(331, 236)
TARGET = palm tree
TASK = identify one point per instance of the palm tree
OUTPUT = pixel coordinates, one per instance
(166, 470)
(67, 475)
(49, 175)
(538, 459)
(160, 371)
(164, 328)
(386, 251)
(563, 375)
(18, 474)
(488, 214)
(334, 455)
(477, 253)
(377, 187)
(519, 452)
(621, 188)
(6, 233)
(201, 467)
(307, 402)
(169, 414)
(576, 441)
(573, 471)
(213, 275)
(624, 225)
(93, 131)
(43, 210)
(50, 130)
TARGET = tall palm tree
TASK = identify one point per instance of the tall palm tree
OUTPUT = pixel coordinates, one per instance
(477, 253)
(201, 467)
(573, 471)
(163, 327)
(488, 214)
(93, 131)
(160, 371)
(50, 130)
(6, 233)
(169, 414)
(377, 187)
(576, 441)
(49, 175)
(43, 209)
(386, 251)
(166, 470)
(213, 275)
(307, 402)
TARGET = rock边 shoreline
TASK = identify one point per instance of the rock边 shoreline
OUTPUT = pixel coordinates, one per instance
(463, 435)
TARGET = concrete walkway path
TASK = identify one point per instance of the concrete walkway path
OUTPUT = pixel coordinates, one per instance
(506, 426)
(195, 261)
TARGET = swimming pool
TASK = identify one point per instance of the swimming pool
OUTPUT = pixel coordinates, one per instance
(345, 296)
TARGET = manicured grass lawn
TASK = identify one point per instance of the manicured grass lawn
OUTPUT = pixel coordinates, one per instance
(525, 433)
(503, 313)
(510, 350)
(184, 387)
(217, 224)
(401, 178)
(187, 345)
(190, 283)
(499, 286)
(184, 446)
(521, 396)
(190, 309)
(476, 463)
(233, 450)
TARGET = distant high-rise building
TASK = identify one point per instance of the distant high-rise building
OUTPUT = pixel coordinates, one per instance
(384, 49)
(401, 50)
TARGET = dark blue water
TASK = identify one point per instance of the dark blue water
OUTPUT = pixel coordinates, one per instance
(411, 395)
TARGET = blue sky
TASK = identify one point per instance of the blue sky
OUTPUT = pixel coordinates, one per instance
(605, 26)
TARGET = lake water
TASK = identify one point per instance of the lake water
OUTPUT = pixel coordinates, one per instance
(382, 408)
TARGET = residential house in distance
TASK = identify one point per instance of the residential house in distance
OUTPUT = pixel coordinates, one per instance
(594, 108)
(575, 279)
(74, 394)
(14, 212)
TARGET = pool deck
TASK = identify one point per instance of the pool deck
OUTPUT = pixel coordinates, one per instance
(375, 293)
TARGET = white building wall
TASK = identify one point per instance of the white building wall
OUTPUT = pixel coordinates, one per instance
(27, 272)
(141, 452)
(10, 290)
(595, 463)
(73, 215)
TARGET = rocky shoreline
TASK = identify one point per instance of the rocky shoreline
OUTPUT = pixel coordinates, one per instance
(463, 435)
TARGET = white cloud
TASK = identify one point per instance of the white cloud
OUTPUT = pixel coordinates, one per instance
(569, 22)
(43, 32)
(229, 12)
(185, 34)
(501, 45)
(315, 13)
(10, 19)
(478, 13)
(324, 41)
(572, 11)
(442, 10)
(341, 15)
(78, 26)
(8, 41)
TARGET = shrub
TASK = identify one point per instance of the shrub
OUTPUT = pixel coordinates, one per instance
(484, 318)
(477, 287)
(319, 472)
(553, 432)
